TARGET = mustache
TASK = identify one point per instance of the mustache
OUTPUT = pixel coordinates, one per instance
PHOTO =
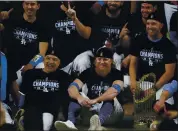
(114, 5)
(103, 64)
(49, 64)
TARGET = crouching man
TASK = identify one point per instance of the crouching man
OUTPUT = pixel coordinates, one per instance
(104, 83)
(44, 90)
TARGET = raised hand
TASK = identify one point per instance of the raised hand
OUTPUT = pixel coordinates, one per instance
(70, 12)
(5, 14)
(124, 31)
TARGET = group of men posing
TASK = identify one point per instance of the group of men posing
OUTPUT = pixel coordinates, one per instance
(43, 91)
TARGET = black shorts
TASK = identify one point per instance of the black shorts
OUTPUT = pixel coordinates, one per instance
(125, 96)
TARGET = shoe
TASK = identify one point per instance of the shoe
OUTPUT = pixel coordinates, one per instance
(94, 122)
(18, 119)
(101, 128)
(18, 115)
(154, 125)
(21, 124)
(68, 125)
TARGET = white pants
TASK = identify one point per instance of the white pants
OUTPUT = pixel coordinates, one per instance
(47, 121)
(82, 62)
(19, 73)
(8, 119)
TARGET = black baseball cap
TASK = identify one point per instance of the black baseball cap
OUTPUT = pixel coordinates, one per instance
(155, 16)
(52, 53)
(154, 3)
(104, 52)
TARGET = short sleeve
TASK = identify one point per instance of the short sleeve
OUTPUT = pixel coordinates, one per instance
(65, 79)
(118, 75)
(84, 75)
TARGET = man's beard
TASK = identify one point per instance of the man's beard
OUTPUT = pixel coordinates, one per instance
(114, 11)
(104, 72)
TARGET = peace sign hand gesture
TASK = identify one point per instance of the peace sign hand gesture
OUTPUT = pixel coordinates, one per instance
(70, 12)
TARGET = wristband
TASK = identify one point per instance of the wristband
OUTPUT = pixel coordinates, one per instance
(36, 60)
(117, 87)
(74, 84)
